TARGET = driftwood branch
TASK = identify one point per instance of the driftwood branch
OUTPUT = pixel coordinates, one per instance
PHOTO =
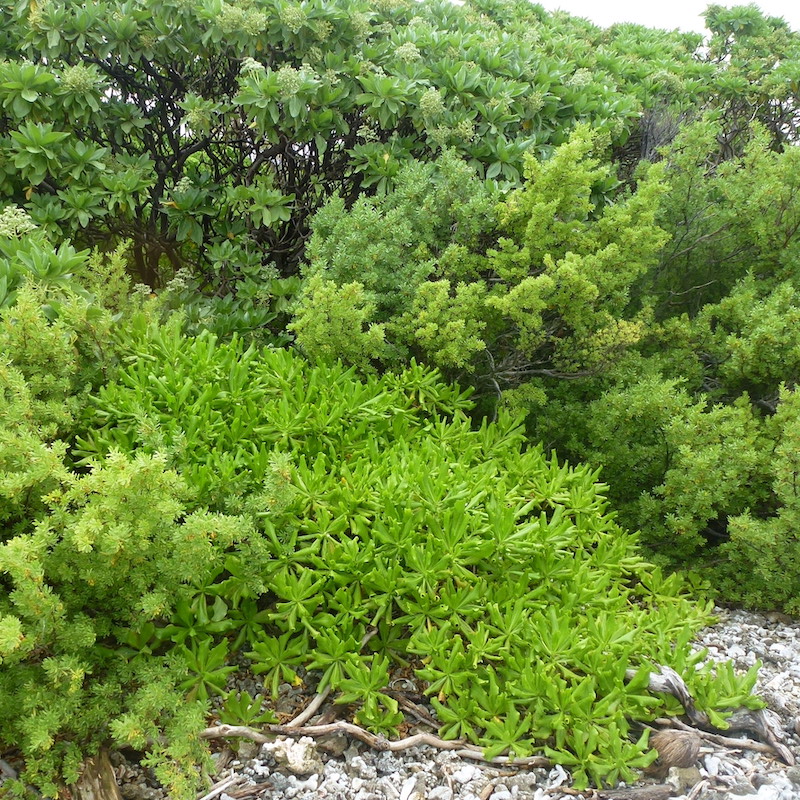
(667, 681)
(218, 788)
(735, 743)
(6, 770)
(96, 780)
(235, 732)
(379, 743)
(758, 722)
(314, 706)
(309, 711)
(650, 792)
(765, 725)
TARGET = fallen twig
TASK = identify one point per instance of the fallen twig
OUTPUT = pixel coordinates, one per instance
(726, 741)
(487, 791)
(380, 743)
(314, 706)
(235, 732)
(218, 788)
(529, 761)
(652, 792)
(697, 790)
(309, 711)
(251, 790)
(416, 711)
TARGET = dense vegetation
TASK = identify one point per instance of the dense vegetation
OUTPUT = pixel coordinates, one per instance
(250, 251)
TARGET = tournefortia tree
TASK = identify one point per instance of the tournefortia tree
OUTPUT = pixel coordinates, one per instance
(209, 132)
(204, 131)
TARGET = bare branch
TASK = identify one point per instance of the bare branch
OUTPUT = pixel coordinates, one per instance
(379, 743)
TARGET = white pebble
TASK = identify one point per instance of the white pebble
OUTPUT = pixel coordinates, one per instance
(408, 787)
(312, 784)
(465, 774)
(557, 776)
(781, 650)
(712, 764)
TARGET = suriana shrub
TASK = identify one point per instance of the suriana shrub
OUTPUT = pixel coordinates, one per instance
(505, 290)
(764, 553)
(331, 508)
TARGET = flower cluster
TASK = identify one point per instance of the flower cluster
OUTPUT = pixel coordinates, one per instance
(408, 52)
(431, 103)
(233, 19)
(293, 17)
(183, 185)
(366, 133)
(251, 65)
(80, 78)
(289, 80)
(534, 101)
(581, 77)
(36, 13)
(361, 27)
(323, 29)
(198, 119)
(15, 222)
(389, 5)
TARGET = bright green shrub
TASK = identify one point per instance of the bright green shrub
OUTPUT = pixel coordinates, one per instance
(47, 368)
(751, 340)
(59, 313)
(219, 411)
(763, 554)
(112, 550)
(335, 322)
(495, 572)
(72, 547)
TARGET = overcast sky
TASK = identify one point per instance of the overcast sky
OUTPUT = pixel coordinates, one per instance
(683, 14)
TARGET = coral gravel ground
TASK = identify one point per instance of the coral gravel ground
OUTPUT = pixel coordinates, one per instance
(343, 770)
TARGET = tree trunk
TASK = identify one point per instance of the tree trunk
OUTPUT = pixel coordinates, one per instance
(97, 780)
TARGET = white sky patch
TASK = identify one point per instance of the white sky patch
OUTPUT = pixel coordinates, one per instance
(685, 15)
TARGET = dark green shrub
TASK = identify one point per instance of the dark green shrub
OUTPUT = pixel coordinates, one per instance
(646, 332)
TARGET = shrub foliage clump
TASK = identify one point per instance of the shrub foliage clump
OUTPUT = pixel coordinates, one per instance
(650, 330)
(343, 508)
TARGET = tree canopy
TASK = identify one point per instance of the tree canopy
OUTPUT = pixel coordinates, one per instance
(209, 133)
